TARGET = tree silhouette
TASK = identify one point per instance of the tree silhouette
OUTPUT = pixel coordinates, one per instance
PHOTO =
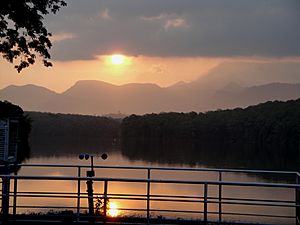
(265, 136)
(23, 34)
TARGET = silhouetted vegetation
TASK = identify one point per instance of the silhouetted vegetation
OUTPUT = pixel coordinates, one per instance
(266, 136)
(23, 33)
(61, 134)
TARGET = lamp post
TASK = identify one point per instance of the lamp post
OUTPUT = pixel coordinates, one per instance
(89, 182)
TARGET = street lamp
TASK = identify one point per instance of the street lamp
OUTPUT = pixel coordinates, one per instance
(89, 182)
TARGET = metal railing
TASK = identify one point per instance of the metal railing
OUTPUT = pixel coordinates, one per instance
(208, 204)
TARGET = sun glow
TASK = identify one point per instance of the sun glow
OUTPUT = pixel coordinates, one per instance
(117, 59)
(113, 209)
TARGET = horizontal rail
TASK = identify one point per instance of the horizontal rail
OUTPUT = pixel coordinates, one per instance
(162, 199)
(134, 180)
(176, 211)
(261, 215)
(255, 204)
(203, 200)
(163, 210)
(254, 200)
(162, 168)
(47, 207)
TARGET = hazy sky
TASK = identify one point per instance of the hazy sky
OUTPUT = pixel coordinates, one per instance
(164, 41)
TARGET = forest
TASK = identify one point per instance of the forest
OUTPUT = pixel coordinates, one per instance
(63, 134)
(265, 136)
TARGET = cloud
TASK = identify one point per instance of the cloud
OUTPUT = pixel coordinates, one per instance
(154, 18)
(216, 28)
(167, 21)
(105, 14)
(61, 37)
(176, 23)
(157, 69)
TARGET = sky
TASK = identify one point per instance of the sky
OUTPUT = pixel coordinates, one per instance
(163, 41)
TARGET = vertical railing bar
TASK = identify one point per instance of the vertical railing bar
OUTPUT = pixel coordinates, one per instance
(220, 196)
(205, 203)
(78, 192)
(148, 195)
(297, 200)
(1, 194)
(15, 195)
(105, 199)
(5, 198)
(205, 194)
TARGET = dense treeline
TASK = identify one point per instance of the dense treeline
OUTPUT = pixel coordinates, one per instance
(59, 134)
(266, 136)
(262, 136)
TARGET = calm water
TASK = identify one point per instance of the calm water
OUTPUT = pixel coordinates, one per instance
(117, 159)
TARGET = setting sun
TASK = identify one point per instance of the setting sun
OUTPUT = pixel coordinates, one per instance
(117, 59)
(113, 209)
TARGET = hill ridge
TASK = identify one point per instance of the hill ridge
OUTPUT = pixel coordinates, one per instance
(98, 97)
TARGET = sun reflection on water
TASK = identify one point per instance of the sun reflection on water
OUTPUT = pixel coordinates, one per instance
(113, 209)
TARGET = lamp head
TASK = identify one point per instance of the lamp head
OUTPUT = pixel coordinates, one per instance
(104, 156)
(84, 156)
(81, 156)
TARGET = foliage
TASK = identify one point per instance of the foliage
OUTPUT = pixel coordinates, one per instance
(73, 125)
(54, 134)
(99, 205)
(265, 136)
(22, 31)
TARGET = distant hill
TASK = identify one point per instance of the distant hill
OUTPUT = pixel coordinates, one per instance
(242, 97)
(98, 98)
(250, 74)
(29, 97)
(229, 85)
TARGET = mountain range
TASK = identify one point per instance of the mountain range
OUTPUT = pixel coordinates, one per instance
(216, 91)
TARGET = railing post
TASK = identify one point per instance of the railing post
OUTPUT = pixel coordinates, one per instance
(15, 195)
(105, 199)
(90, 190)
(78, 192)
(297, 190)
(5, 198)
(148, 195)
(5, 194)
(205, 203)
(220, 196)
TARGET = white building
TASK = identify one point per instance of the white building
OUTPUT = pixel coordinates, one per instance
(8, 140)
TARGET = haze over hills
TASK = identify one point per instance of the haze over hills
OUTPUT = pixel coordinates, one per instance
(251, 74)
(96, 97)
(234, 87)
(29, 96)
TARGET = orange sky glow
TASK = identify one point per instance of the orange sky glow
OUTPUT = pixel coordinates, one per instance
(141, 69)
(159, 43)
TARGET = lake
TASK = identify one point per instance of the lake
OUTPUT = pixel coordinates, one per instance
(117, 158)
